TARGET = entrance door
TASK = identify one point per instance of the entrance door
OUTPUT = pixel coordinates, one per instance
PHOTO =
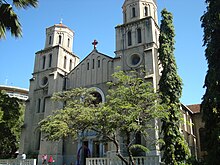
(83, 153)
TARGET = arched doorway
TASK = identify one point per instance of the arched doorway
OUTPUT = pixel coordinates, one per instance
(83, 153)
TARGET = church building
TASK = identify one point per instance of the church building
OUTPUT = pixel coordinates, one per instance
(57, 68)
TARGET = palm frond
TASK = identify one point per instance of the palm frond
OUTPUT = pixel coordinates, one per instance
(9, 21)
(25, 3)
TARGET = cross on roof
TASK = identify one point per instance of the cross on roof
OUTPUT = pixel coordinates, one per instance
(95, 43)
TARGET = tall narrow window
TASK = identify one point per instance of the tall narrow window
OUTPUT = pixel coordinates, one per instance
(138, 138)
(87, 65)
(93, 63)
(133, 12)
(125, 17)
(49, 40)
(38, 105)
(139, 38)
(38, 139)
(44, 62)
(50, 60)
(70, 66)
(146, 11)
(64, 63)
(129, 38)
(60, 38)
(98, 63)
(68, 42)
(44, 105)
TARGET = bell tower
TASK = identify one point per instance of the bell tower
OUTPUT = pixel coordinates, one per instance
(52, 64)
(137, 47)
(137, 38)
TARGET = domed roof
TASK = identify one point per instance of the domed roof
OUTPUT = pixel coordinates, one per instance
(155, 1)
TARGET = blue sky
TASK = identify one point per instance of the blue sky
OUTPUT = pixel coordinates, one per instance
(96, 20)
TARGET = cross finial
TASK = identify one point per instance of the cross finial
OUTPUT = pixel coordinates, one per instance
(95, 43)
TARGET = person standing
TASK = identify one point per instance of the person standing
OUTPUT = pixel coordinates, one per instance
(23, 156)
(44, 159)
(50, 161)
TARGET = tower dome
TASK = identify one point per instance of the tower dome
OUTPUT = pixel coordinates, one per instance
(137, 9)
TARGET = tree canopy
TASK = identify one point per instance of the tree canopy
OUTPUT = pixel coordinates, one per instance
(210, 106)
(11, 121)
(8, 18)
(131, 104)
(170, 85)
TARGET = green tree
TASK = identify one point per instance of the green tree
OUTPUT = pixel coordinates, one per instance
(9, 19)
(170, 85)
(130, 107)
(210, 106)
(10, 123)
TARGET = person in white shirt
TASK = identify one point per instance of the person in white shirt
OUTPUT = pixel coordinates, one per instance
(23, 156)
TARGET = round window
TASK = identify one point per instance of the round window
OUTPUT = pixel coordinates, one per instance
(44, 81)
(135, 59)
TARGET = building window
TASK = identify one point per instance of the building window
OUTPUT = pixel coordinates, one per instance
(139, 38)
(135, 59)
(44, 105)
(60, 38)
(50, 60)
(138, 138)
(50, 40)
(38, 105)
(146, 13)
(44, 62)
(38, 140)
(70, 66)
(93, 63)
(129, 39)
(87, 65)
(133, 12)
(68, 42)
(98, 63)
(64, 63)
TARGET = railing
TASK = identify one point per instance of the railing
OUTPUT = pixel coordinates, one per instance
(18, 161)
(148, 160)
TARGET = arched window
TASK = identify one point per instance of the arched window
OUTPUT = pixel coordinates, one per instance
(99, 63)
(129, 39)
(64, 63)
(139, 38)
(146, 13)
(125, 17)
(50, 60)
(38, 140)
(93, 63)
(44, 62)
(70, 66)
(68, 43)
(60, 38)
(133, 12)
(44, 105)
(50, 40)
(87, 65)
(38, 105)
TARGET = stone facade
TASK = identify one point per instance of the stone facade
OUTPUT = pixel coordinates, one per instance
(57, 68)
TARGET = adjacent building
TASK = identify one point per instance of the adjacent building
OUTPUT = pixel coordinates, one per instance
(12, 91)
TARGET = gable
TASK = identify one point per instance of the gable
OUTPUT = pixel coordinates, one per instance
(96, 68)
